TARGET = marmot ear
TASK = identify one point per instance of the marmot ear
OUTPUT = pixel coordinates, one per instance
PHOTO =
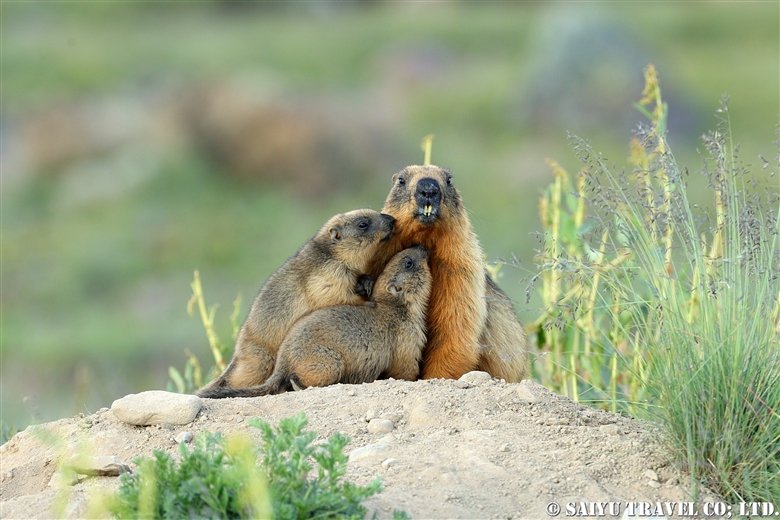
(335, 234)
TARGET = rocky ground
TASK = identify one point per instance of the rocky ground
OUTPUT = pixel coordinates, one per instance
(472, 448)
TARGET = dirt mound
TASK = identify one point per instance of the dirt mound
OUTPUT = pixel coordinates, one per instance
(473, 448)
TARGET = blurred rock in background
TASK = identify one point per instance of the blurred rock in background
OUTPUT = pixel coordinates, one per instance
(311, 145)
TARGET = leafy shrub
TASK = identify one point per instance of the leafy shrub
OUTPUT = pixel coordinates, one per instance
(220, 478)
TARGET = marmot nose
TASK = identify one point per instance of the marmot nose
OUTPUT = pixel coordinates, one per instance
(428, 188)
(389, 219)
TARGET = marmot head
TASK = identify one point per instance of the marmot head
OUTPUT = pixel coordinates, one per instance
(354, 237)
(406, 278)
(423, 197)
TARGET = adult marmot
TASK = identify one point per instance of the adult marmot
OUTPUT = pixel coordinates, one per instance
(358, 344)
(471, 322)
(325, 271)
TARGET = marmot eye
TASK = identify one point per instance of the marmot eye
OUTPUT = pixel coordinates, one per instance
(449, 180)
(401, 181)
(363, 224)
(409, 263)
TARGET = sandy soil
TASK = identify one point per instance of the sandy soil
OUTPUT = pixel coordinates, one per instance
(475, 448)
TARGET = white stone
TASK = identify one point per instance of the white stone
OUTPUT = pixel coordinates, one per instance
(388, 463)
(525, 394)
(183, 437)
(380, 426)
(476, 377)
(370, 451)
(157, 407)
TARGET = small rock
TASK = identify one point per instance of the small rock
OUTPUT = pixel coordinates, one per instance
(388, 463)
(351, 393)
(475, 377)
(652, 475)
(157, 407)
(239, 419)
(370, 414)
(380, 426)
(8, 475)
(461, 384)
(183, 437)
(653, 484)
(610, 429)
(423, 414)
(367, 452)
(673, 481)
(504, 448)
(100, 466)
(525, 394)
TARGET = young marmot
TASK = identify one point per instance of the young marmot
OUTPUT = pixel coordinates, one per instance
(327, 270)
(358, 344)
(471, 323)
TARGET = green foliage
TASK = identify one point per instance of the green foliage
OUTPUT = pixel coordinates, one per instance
(289, 457)
(220, 478)
(7, 430)
(206, 482)
(682, 304)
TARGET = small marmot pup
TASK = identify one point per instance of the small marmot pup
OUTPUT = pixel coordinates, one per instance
(358, 344)
(327, 270)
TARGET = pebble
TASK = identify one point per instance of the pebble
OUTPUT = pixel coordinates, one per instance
(525, 394)
(652, 475)
(423, 413)
(475, 377)
(367, 452)
(100, 466)
(653, 484)
(156, 407)
(380, 426)
(610, 429)
(183, 437)
(389, 463)
(504, 448)
(461, 384)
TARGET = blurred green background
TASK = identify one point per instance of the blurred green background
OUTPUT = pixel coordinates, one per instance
(141, 141)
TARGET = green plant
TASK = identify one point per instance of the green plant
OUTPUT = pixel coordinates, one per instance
(288, 454)
(220, 478)
(207, 481)
(7, 430)
(192, 377)
(686, 300)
